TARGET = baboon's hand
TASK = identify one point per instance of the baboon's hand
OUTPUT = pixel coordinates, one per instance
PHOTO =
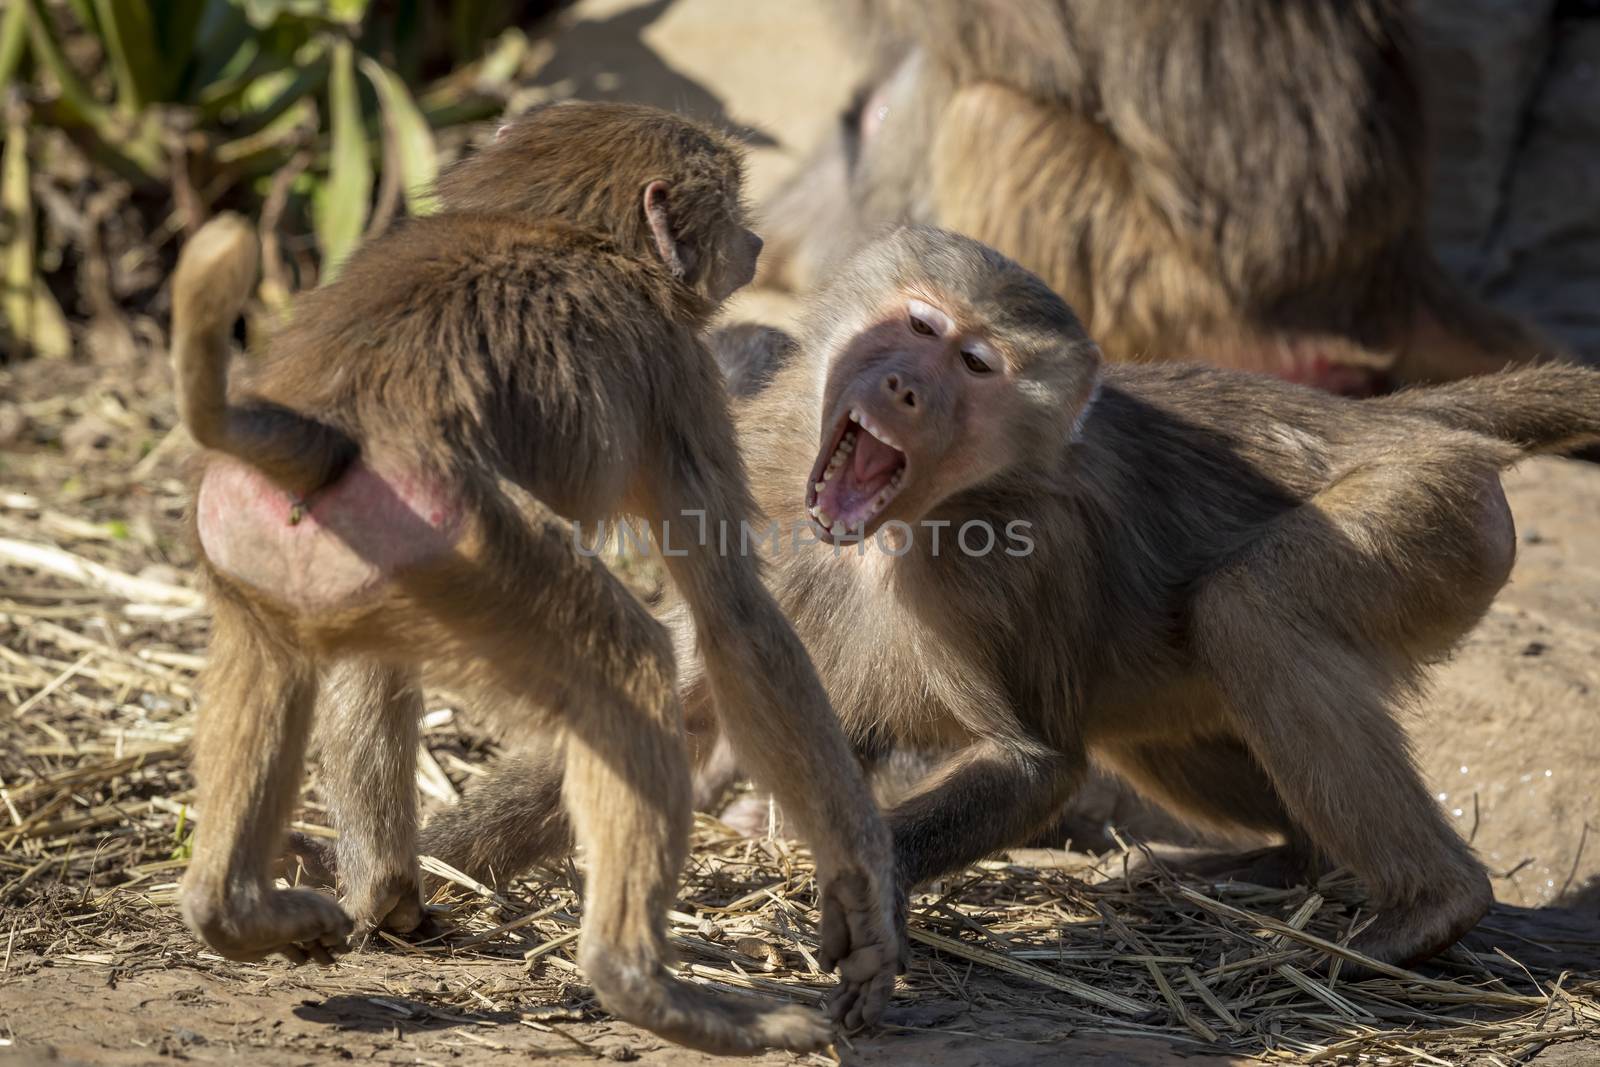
(862, 937)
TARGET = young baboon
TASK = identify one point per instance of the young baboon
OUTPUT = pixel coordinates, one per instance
(390, 496)
(1221, 584)
(1240, 182)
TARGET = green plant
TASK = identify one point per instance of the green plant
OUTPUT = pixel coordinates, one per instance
(308, 113)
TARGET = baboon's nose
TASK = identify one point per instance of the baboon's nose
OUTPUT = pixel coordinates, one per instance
(901, 388)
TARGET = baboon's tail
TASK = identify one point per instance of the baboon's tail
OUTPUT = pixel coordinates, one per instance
(216, 271)
(1551, 408)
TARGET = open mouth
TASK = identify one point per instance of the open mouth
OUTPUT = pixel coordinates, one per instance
(855, 477)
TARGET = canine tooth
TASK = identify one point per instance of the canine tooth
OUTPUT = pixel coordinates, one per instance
(855, 416)
(838, 529)
(822, 516)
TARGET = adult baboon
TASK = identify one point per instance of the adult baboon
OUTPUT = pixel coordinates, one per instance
(1239, 182)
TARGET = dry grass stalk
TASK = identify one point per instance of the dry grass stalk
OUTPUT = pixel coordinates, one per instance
(100, 639)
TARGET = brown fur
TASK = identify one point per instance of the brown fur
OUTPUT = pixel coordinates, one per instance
(1235, 584)
(1240, 182)
(529, 358)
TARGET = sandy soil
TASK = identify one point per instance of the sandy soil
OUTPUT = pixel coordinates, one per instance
(287, 1017)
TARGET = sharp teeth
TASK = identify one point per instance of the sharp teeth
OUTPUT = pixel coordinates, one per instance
(820, 486)
(838, 529)
(877, 431)
(822, 516)
(855, 416)
(848, 445)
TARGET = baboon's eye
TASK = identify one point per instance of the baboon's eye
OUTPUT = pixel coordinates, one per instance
(975, 363)
(927, 320)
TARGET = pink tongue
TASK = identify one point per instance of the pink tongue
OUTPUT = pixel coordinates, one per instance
(872, 458)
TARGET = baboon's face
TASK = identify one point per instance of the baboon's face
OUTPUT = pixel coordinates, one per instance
(734, 264)
(915, 409)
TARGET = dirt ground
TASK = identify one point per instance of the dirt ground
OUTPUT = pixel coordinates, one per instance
(95, 968)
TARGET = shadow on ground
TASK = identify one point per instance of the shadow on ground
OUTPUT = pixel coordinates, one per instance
(608, 59)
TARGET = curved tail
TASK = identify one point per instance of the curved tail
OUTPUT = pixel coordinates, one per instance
(1550, 408)
(216, 272)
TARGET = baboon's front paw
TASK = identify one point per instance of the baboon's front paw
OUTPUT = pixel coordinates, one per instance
(299, 924)
(863, 936)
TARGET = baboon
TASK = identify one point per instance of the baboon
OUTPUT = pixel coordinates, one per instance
(1239, 182)
(390, 496)
(1221, 584)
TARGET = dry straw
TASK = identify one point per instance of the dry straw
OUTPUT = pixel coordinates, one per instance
(100, 639)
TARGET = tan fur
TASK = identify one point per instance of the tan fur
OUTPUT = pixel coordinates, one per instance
(1238, 182)
(530, 357)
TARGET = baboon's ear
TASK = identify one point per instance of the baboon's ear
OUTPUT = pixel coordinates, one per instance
(678, 256)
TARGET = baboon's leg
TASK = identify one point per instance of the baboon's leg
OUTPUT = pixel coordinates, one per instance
(249, 750)
(1214, 781)
(523, 620)
(716, 774)
(989, 796)
(1216, 784)
(366, 738)
(1309, 651)
(986, 797)
(774, 711)
(509, 821)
